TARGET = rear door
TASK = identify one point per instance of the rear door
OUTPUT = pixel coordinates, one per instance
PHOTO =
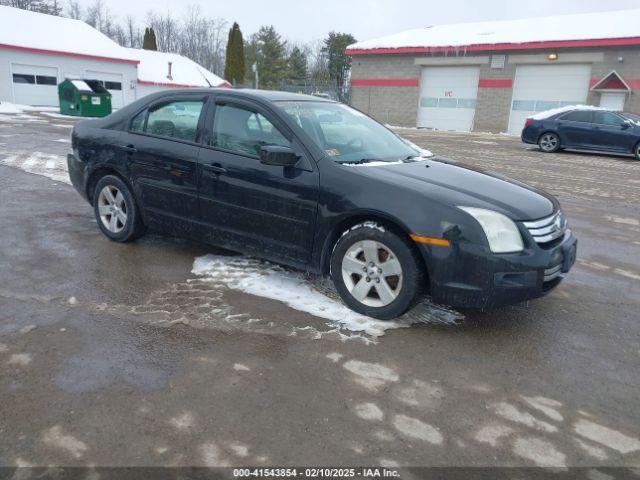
(611, 133)
(162, 149)
(248, 205)
(576, 129)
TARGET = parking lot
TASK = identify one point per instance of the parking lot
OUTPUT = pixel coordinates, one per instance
(122, 355)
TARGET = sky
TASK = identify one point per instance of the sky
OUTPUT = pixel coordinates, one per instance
(304, 21)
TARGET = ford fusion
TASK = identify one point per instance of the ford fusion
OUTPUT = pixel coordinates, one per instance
(316, 185)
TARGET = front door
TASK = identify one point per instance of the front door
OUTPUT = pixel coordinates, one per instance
(613, 101)
(245, 204)
(612, 133)
(163, 154)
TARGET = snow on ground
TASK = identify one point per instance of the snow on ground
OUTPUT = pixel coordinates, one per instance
(266, 280)
(8, 107)
(45, 164)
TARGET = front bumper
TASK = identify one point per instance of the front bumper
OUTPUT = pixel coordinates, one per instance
(470, 276)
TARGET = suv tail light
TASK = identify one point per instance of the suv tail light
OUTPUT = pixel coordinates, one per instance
(528, 122)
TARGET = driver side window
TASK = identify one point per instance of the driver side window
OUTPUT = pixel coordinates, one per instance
(243, 131)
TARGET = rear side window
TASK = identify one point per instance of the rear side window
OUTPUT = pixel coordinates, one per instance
(606, 118)
(177, 119)
(577, 116)
(244, 131)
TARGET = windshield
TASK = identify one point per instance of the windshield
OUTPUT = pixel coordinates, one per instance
(345, 134)
(631, 116)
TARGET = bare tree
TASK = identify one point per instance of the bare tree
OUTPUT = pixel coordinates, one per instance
(74, 10)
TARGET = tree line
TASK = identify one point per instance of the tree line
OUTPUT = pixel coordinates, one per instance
(218, 47)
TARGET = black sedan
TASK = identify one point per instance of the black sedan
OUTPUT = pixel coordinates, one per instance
(317, 185)
(585, 129)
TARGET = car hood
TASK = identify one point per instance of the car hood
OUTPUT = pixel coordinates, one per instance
(457, 184)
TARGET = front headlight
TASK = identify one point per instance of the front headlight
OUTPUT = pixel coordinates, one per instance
(502, 234)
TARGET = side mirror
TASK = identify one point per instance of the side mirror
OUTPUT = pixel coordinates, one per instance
(626, 124)
(278, 156)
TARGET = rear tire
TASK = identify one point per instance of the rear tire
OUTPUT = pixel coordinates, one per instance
(636, 151)
(549, 142)
(116, 211)
(377, 272)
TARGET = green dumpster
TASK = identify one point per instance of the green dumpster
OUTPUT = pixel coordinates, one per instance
(83, 97)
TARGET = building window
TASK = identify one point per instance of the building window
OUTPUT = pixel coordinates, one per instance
(46, 80)
(24, 78)
(113, 85)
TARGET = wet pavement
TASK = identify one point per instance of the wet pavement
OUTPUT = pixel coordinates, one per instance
(118, 355)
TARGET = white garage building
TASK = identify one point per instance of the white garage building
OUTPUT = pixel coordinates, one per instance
(39, 51)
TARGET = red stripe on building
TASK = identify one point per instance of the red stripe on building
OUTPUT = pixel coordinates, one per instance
(69, 54)
(384, 82)
(634, 83)
(603, 42)
(495, 83)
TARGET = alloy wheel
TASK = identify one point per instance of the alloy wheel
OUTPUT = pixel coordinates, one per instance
(549, 142)
(372, 273)
(112, 209)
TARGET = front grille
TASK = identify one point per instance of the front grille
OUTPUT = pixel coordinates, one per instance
(548, 229)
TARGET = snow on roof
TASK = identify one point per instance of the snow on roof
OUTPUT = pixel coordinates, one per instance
(154, 69)
(621, 24)
(28, 30)
(567, 108)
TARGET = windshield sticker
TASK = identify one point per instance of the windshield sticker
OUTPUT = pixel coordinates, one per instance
(333, 152)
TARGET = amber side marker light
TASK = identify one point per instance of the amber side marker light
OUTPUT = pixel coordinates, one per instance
(441, 242)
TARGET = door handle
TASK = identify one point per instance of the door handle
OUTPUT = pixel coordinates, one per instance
(129, 148)
(216, 168)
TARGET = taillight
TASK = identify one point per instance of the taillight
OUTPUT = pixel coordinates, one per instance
(528, 122)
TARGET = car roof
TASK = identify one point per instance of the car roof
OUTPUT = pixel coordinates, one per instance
(269, 95)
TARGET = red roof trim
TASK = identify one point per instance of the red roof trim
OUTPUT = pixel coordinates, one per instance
(495, 83)
(384, 82)
(225, 84)
(603, 42)
(69, 54)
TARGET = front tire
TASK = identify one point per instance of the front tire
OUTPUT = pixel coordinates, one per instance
(549, 142)
(636, 151)
(377, 272)
(116, 211)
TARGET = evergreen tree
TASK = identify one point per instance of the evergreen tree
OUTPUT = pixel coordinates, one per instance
(149, 39)
(272, 61)
(338, 62)
(297, 64)
(234, 69)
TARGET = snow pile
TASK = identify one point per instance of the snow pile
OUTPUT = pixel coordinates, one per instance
(39, 163)
(6, 107)
(270, 281)
(154, 69)
(584, 26)
(556, 111)
(26, 29)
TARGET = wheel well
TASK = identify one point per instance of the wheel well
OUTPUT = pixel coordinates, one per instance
(550, 131)
(97, 174)
(350, 222)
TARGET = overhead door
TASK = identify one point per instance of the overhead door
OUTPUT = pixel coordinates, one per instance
(112, 82)
(34, 85)
(448, 98)
(542, 87)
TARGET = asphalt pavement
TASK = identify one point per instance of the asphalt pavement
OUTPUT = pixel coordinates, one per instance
(118, 355)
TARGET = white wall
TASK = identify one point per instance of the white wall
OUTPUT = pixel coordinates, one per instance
(65, 65)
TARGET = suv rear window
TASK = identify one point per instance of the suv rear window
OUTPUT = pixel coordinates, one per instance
(577, 116)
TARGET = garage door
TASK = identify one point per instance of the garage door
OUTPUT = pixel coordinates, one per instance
(113, 83)
(542, 87)
(448, 98)
(35, 85)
